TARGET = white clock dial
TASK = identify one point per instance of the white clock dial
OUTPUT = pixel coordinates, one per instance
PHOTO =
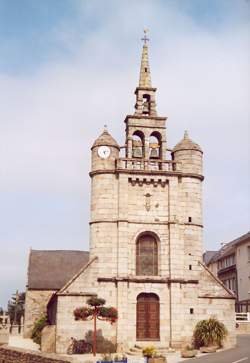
(104, 152)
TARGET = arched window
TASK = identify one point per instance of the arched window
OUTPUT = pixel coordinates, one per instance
(148, 317)
(138, 144)
(146, 255)
(155, 145)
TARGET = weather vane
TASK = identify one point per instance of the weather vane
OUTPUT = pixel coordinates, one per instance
(145, 39)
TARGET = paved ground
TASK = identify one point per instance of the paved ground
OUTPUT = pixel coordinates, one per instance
(19, 342)
(240, 354)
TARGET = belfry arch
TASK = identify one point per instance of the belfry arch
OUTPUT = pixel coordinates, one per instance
(138, 144)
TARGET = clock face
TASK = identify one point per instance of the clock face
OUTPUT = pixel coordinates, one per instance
(104, 152)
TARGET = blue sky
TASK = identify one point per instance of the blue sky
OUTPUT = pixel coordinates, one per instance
(67, 67)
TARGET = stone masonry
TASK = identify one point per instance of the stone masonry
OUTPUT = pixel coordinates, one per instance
(136, 199)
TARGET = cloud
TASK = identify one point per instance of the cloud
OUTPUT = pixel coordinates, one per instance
(50, 117)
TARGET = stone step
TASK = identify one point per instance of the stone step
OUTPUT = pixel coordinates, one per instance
(135, 349)
(134, 353)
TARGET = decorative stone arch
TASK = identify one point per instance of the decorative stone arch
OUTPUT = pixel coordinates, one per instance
(138, 144)
(147, 254)
(155, 145)
(148, 317)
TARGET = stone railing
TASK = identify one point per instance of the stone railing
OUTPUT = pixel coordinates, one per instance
(242, 317)
(147, 164)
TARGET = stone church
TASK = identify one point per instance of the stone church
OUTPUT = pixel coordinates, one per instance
(145, 253)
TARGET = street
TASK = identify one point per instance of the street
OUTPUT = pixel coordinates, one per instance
(237, 355)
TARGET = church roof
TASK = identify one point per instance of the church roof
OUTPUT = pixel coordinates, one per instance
(105, 139)
(50, 270)
(186, 144)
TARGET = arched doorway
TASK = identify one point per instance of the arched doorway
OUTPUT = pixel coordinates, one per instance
(148, 317)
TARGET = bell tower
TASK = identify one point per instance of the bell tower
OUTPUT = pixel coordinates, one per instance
(146, 219)
(145, 131)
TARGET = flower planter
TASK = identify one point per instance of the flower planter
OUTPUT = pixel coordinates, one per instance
(188, 353)
(211, 349)
(157, 360)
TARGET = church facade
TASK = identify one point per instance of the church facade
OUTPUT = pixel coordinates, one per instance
(145, 254)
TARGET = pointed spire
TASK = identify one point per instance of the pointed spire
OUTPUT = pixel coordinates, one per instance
(145, 77)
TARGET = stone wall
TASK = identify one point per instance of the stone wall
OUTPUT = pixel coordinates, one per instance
(35, 305)
(242, 328)
(17, 355)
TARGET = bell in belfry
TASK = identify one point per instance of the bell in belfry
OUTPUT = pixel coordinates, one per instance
(137, 149)
(154, 151)
(145, 107)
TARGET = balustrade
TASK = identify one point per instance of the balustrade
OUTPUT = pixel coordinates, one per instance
(147, 164)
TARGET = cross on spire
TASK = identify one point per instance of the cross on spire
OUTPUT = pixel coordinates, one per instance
(145, 39)
(145, 79)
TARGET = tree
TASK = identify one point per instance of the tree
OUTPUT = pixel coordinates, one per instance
(16, 308)
(96, 310)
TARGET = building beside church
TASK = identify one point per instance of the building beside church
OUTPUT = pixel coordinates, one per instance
(231, 264)
(145, 254)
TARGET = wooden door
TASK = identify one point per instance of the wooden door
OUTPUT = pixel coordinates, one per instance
(148, 317)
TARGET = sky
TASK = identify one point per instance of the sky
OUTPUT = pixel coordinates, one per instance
(67, 67)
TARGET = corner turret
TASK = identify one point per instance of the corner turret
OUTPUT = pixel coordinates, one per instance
(190, 154)
(105, 151)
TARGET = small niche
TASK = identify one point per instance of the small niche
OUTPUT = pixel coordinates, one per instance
(191, 310)
(145, 69)
(189, 219)
(190, 267)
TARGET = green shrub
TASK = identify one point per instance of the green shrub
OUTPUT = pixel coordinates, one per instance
(36, 334)
(209, 332)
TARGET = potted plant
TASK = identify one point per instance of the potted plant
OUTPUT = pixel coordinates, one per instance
(152, 356)
(209, 335)
(188, 352)
(120, 359)
(158, 358)
(107, 358)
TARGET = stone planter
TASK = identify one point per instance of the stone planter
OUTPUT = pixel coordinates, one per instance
(188, 353)
(211, 349)
(157, 360)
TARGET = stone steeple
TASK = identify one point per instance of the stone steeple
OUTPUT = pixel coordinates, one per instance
(145, 76)
(145, 93)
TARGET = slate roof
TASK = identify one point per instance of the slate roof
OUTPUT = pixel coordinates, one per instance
(50, 270)
(229, 248)
(207, 256)
(186, 144)
(105, 139)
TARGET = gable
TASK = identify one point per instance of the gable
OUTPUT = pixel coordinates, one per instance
(211, 286)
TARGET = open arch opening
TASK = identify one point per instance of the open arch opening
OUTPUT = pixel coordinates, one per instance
(138, 144)
(146, 255)
(155, 145)
(148, 317)
(146, 104)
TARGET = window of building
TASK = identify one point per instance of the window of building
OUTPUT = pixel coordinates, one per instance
(146, 255)
(248, 252)
(226, 262)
